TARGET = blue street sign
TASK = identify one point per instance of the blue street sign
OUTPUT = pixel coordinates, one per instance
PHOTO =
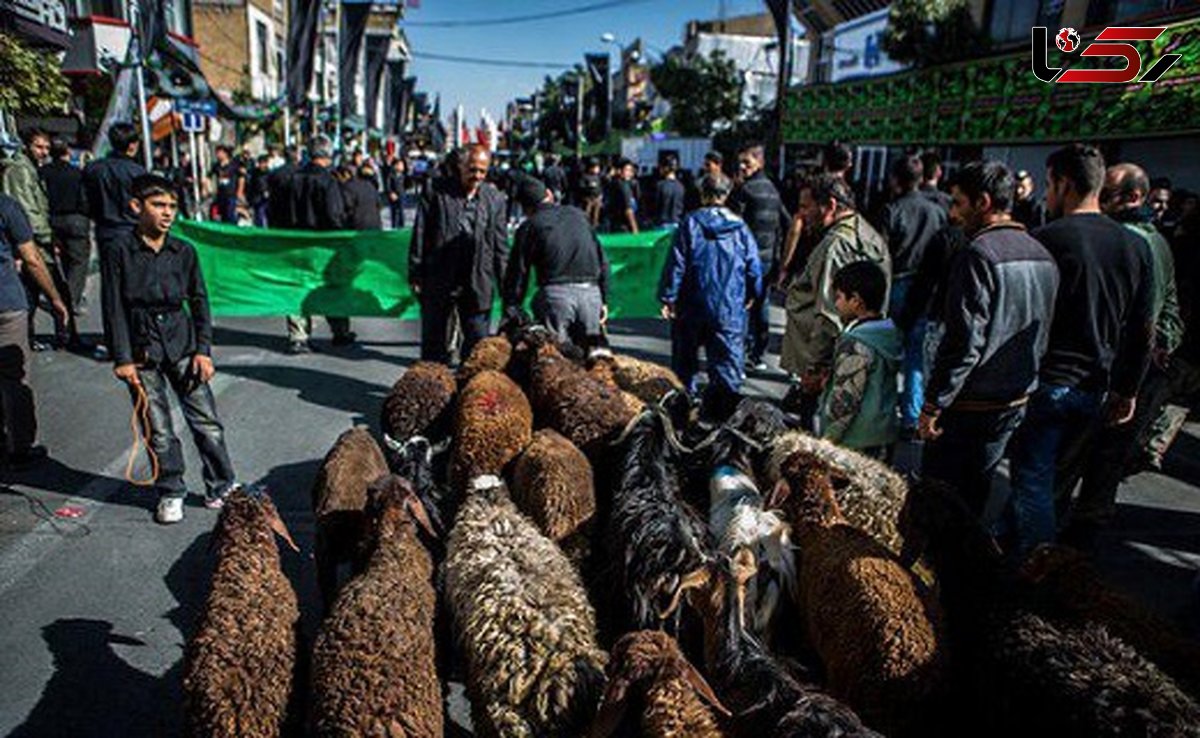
(193, 122)
(199, 107)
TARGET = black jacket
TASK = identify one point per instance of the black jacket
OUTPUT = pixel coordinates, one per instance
(447, 256)
(395, 186)
(555, 178)
(108, 185)
(668, 201)
(362, 205)
(317, 202)
(909, 223)
(558, 243)
(64, 188)
(998, 310)
(281, 200)
(759, 204)
(937, 197)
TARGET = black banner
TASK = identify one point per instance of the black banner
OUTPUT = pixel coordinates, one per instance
(354, 29)
(597, 103)
(393, 122)
(305, 16)
(780, 10)
(377, 48)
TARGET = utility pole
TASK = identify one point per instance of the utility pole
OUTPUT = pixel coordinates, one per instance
(781, 91)
(579, 115)
(337, 46)
(135, 48)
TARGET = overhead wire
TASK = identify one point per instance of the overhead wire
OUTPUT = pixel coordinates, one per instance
(527, 18)
(522, 64)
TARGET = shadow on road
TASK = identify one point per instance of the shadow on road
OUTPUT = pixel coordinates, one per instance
(54, 476)
(1183, 460)
(317, 387)
(277, 343)
(94, 692)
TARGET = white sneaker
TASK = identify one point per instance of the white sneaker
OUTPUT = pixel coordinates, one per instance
(170, 510)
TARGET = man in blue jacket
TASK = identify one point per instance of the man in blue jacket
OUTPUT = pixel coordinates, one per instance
(712, 276)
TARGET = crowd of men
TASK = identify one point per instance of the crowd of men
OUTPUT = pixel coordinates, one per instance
(969, 315)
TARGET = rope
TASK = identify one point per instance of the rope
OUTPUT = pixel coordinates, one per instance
(140, 424)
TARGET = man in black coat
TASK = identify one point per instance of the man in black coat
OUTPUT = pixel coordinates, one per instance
(394, 191)
(362, 200)
(459, 251)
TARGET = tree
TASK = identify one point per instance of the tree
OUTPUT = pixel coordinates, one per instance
(33, 81)
(705, 92)
(928, 32)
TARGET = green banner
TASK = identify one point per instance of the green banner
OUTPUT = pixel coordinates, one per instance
(264, 272)
(998, 100)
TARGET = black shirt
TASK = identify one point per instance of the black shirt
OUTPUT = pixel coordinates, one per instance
(64, 188)
(362, 205)
(758, 202)
(227, 176)
(317, 203)
(620, 199)
(1102, 330)
(281, 200)
(1030, 213)
(258, 188)
(668, 196)
(108, 184)
(557, 241)
(909, 222)
(144, 317)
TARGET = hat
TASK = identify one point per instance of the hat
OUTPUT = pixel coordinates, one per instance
(530, 192)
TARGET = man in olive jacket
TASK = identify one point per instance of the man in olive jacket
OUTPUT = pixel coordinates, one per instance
(459, 252)
(813, 325)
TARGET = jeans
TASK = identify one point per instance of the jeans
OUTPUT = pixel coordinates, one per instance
(970, 448)
(758, 334)
(570, 311)
(1058, 416)
(227, 209)
(437, 310)
(18, 419)
(912, 367)
(397, 209)
(724, 347)
(260, 214)
(200, 412)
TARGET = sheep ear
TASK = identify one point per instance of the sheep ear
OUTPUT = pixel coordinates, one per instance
(393, 445)
(612, 709)
(693, 580)
(696, 679)
(417, 510)
(779, 494)
(277, 525)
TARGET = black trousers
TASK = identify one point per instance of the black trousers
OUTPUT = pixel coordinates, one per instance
(970, 448)
(75, 253)
(438, 309)
(63, 332)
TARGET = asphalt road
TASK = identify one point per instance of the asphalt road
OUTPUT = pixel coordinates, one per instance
(94, 610)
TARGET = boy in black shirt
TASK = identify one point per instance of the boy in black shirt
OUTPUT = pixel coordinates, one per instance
(158, 346)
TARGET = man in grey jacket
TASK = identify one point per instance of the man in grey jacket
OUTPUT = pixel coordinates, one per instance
(459, 252)
(998, 309)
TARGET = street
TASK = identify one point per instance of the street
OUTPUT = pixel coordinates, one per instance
(96, 609)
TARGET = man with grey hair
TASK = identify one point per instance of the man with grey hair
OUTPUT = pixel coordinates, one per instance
(711, 278)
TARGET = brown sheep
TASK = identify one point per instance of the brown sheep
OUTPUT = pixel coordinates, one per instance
(574, 403)
(603, 370)
(374, 671)
(239, 666)
(494, 423)
(645, 380)
(420, 403)
(552, 484)
(868, 492)
(648, 669)
(339, 495)
(878, 637)
(493, 352)
(1071, 589)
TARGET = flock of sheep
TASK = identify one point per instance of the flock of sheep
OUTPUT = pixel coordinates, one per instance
(562, 535)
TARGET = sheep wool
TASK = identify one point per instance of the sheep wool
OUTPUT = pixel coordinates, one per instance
(339, 495)
(492, 353)
(420, 403)
(494, 423)
(523, 621)
(574, 403)
(238, 667)
(647, 669)
(873, 494)
(374, 671)
(553, 485)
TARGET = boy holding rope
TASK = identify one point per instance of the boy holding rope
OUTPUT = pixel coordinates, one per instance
(160, 347)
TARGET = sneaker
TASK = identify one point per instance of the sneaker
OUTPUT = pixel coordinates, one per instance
(39, 346)
(296, 348)
(218, 502)
(170, 510)
(100, 353)
(758, 365)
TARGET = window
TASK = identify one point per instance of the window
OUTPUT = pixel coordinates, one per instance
(1104, 12)
(179, 17)
(1011, 20)
(261, 37)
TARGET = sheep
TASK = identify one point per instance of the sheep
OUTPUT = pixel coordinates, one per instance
(1019, 672)
(374, 670)
(239, 666)
(656, 541)
(765, 698)
(523, 621)
(869, 493)
(494, 423)
(493, 352)
(552, 484)
(602, 370)
(420, 403)
(647, 667)
(647, 381)
(339, 495)
(1070, 589)
(878, 638)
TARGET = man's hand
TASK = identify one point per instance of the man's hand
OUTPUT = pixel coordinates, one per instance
(61, 310)
(813, 381)
(127, 373)
(668, 311)
(1120, 409)
(202, 368)
(415, 287)
(927, 427)
(1161, 358)
(604, 315)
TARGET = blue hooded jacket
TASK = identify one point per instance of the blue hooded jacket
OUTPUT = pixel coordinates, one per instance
(713, 268)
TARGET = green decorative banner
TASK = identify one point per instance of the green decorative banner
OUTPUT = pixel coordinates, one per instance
(267, 272)
(998, 100)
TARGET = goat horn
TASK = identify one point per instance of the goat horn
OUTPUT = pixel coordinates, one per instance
(628, 428)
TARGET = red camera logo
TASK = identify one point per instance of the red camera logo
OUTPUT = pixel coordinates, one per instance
(1067, 40)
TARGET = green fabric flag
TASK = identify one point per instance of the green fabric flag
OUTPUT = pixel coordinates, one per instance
(261, 272)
